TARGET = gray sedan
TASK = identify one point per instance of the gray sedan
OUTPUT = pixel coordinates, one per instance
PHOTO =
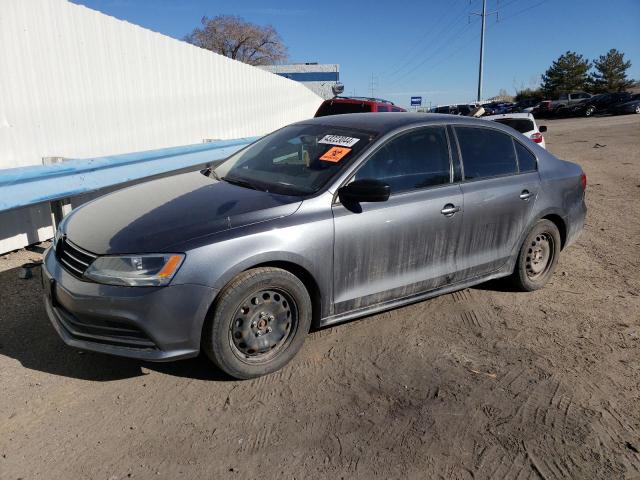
(319, 222)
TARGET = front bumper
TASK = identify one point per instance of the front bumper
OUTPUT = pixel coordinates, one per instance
(146, 323)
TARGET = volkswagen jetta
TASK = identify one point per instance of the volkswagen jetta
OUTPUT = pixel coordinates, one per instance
(319, 222)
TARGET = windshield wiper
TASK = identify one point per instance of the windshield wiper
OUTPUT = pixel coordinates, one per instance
(212, 173)
(240, 183)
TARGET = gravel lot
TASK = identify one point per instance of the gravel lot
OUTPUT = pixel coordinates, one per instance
(482, 383)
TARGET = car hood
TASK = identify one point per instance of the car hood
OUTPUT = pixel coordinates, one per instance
(154, 216)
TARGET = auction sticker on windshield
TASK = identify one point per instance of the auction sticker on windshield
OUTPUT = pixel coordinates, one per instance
(339, 140)
(335, 154)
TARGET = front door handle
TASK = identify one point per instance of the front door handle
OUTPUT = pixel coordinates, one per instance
(449, 210)
(525, 195)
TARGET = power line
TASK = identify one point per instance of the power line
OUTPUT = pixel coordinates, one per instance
(440, 32)
(523, 10)
(446, 41)
(423, 36)
(505, 5)
(452, 39)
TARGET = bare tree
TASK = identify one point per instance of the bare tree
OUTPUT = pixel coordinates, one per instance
(235, 38)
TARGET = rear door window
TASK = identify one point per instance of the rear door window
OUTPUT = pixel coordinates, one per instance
(411, 161)
(486, 153)
(383, 108)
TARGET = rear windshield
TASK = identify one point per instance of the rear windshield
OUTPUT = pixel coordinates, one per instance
(295, 160)
(522, 125)
(338, 108)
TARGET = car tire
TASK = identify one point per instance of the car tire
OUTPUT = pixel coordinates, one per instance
(258, 324)
(589, 111)
(637, 109)
(538, 257)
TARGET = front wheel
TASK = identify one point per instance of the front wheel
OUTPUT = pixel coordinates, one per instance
(589, 111)
(538, 257)
(259, 323)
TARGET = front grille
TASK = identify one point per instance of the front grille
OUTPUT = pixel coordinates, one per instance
(73, 258)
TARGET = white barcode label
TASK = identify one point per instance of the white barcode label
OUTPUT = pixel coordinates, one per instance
(339, 140)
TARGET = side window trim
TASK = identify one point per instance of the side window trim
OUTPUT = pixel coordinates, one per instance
(456, 145)
(371, 154)
(528, 150)
(515, 155)
(446, 133)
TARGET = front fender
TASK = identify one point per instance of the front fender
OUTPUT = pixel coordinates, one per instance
(304, 239)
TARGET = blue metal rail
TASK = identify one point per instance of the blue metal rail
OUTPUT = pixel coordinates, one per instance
(22, 187)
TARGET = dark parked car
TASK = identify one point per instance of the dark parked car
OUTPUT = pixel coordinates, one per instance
(599, 103)
(543, 110)
(322, 221)
(464, 109)
(524, 106)
(630, 106)
(497, 108)
(342, 105)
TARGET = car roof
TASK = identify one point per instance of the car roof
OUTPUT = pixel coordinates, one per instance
(386, 122)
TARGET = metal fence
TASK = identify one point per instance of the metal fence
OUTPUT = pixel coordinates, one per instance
(76, 83)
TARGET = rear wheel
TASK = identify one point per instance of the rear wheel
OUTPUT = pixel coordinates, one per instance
(259, 323)
(538, 257)
(637, 108)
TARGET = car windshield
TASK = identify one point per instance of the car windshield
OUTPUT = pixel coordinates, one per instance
(295, 160)
(523, 125)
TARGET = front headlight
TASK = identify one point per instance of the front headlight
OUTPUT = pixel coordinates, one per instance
(152, 270)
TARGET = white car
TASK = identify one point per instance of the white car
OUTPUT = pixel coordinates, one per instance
(523, 123)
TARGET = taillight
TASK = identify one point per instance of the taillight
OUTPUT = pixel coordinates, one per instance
(583, 181)
(537, 137)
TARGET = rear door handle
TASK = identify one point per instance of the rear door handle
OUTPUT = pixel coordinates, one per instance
(525, 195)
(449, 210)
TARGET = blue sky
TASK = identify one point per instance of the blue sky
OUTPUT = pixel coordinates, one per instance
(428, 47)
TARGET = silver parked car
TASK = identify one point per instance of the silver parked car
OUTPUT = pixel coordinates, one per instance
(319, 222)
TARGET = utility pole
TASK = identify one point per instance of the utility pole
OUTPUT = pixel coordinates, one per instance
(483, 17)
(374, 84)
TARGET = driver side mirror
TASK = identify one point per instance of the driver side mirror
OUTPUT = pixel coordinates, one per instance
(365, 190)
(542, 128)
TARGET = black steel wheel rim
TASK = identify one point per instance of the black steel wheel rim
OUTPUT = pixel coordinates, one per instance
(540, 255)
(263, 325)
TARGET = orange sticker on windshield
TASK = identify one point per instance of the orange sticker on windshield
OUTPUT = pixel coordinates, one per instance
(335, 154)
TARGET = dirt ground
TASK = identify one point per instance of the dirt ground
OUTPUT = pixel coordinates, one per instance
(482, 383)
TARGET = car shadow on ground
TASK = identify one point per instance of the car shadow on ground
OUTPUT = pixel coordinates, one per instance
(497, 285)
(27, 336)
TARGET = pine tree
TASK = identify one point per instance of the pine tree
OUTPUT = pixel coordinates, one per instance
(570, 72)
(611, 72)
